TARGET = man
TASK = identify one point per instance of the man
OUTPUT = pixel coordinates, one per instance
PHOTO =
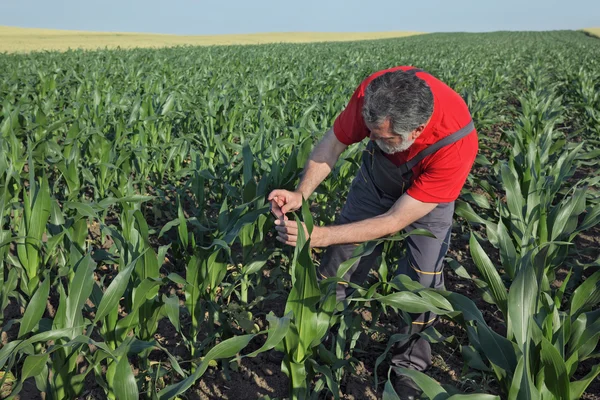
(422, 147)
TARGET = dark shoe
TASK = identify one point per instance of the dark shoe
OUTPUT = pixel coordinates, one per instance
(405, 388)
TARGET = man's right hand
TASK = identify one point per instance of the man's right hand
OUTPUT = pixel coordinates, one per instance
(284, 201)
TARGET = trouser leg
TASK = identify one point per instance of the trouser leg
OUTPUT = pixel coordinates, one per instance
(358, 273)
(362, 202)
(424, 263)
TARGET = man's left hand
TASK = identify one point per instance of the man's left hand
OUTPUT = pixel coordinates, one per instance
(287, 233)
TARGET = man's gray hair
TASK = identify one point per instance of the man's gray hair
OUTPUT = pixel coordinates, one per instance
(401, 97)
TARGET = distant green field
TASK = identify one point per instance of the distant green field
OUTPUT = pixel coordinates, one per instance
(13, 39)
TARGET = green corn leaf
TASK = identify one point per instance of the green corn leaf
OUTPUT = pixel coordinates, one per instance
(476, 198)
(60, 318)
(168, 105)
(307, 217)
(297, 374)
(489, 272)
(591, 219)
(585, 335)
(8, 286)
(409, 302)
(182, 227)
(521, 305)
(226, 349)
(8, 350)
(363, 250)
(256, 264)
(325, 314)
(464, 210)
(302, 302)
(556, 378)
(466, 306)
(304, 153)
(430, 387)
(136, 198)
(40, 212)
(248, 158)
(83, 339)
(125, 385)
(473, 358)
(177, 278)
(172, 309)
(559, 222)
(168, 226)
(35, 309)
(80, 289)
(586, 295)
(56, 215)
(436, 299)
(278, 328)
(148, 289)
(474, 396)
(389, 393)
(514, 197)
(522, 387)
(497, 348)
(508, 252)
(173, 361)
(114, 292)
(329, 378)
(577, 388)
(83, 209)
(34, 365)
(14, 346)
(458, 268)
(578, 326)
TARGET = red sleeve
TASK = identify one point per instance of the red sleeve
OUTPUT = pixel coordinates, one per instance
(349, 127)
(443, 174)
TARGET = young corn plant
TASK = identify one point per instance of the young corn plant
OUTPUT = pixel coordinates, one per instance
(550, 329)
(31, 230)
(311, 307)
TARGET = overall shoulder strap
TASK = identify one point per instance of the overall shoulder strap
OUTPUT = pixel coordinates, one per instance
(414, 71)
(455, 137)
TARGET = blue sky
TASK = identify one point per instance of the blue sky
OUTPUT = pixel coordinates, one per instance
(236, 16)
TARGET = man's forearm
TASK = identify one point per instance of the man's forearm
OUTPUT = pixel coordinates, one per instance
(404, 212)
(355, 232)
(320, 163)
(314, 173)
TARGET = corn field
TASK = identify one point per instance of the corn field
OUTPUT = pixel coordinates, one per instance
(138, 256)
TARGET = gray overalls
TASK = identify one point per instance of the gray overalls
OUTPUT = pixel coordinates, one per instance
(376, 187)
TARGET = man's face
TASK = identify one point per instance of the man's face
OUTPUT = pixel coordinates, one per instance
(390, 142)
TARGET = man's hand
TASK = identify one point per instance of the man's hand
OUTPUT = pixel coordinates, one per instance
(287, 233)
(284, 201)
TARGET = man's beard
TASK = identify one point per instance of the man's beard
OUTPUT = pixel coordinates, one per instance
(391, 149)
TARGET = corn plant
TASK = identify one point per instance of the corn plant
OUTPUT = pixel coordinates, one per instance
(535, 229)
(311, 308)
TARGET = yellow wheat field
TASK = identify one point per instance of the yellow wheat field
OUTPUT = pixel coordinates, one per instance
(20, 40)
(593, 31)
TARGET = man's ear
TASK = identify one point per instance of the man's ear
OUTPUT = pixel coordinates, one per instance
(417, 132)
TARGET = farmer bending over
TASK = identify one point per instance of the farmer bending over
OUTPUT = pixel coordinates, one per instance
(421, 149)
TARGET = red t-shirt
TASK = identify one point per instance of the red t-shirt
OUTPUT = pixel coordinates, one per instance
(439, 177)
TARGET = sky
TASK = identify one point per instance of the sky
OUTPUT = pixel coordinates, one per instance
(195, 17)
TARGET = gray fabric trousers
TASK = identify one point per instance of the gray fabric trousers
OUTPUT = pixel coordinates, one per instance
(370, 196)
